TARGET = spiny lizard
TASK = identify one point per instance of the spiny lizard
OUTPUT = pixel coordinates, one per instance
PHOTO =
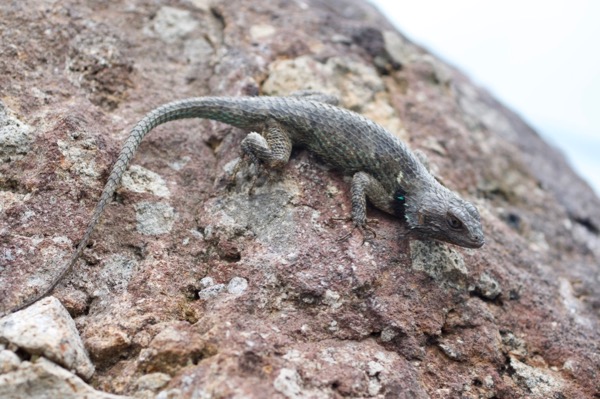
(383, 169)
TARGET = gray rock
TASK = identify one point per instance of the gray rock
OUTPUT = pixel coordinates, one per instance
(540, 382)
(487, 287)
(46, 329)
(237, 285)
(154, 218)
(440, 262)
(153, 381)
(15, 137)
(141, 180)
(171, 24)
(211, 292)
(288, 383)
(44, 379)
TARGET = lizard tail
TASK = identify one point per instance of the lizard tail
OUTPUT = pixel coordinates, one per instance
(223, 109)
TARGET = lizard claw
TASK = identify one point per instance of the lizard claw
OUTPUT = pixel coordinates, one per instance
(362, 228)
(245, 164)
(231, 180)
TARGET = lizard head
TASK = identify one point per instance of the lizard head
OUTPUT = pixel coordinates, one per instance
(441, 214)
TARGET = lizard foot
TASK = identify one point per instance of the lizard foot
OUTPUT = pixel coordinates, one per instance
(232, 179)
(364, 229)
(245, 165)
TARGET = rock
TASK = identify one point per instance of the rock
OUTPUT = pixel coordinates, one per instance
(288, 383)
(540, 383)
(149, 384)
(9, 361)
(15, 136)
(244, 289)
(42, 379)
(237, 285)
(107, 343)
(178, 345)
(140, 179)
(154, 218)
(440, 262)
(46, 329)
(487, 287)
(211, 291)
(172, 24)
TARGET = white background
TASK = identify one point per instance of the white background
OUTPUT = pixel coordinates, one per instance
(540, 58)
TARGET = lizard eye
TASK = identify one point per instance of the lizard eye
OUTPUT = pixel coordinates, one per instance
(453, 222)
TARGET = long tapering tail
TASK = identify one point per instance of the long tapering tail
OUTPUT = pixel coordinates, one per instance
(225, 109)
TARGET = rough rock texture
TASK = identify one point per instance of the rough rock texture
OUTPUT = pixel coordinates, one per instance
(43, 379)
(46, 329)
(193, 289)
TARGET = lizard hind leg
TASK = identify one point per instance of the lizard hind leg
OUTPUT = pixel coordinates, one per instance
(271, 149)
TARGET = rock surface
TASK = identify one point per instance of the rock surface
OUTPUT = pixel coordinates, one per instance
(194, 289)
(44, 379)
(46, 329)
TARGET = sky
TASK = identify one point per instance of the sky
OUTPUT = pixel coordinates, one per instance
(540, 58)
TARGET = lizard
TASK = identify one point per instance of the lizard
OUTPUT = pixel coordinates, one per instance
(384, 170)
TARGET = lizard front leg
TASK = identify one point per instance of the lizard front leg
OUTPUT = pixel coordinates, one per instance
(366, 186)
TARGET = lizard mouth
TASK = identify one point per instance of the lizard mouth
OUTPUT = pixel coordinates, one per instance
(476, 243)
(472, 241)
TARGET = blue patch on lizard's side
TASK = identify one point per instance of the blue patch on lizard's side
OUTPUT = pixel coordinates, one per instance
(399, 202)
